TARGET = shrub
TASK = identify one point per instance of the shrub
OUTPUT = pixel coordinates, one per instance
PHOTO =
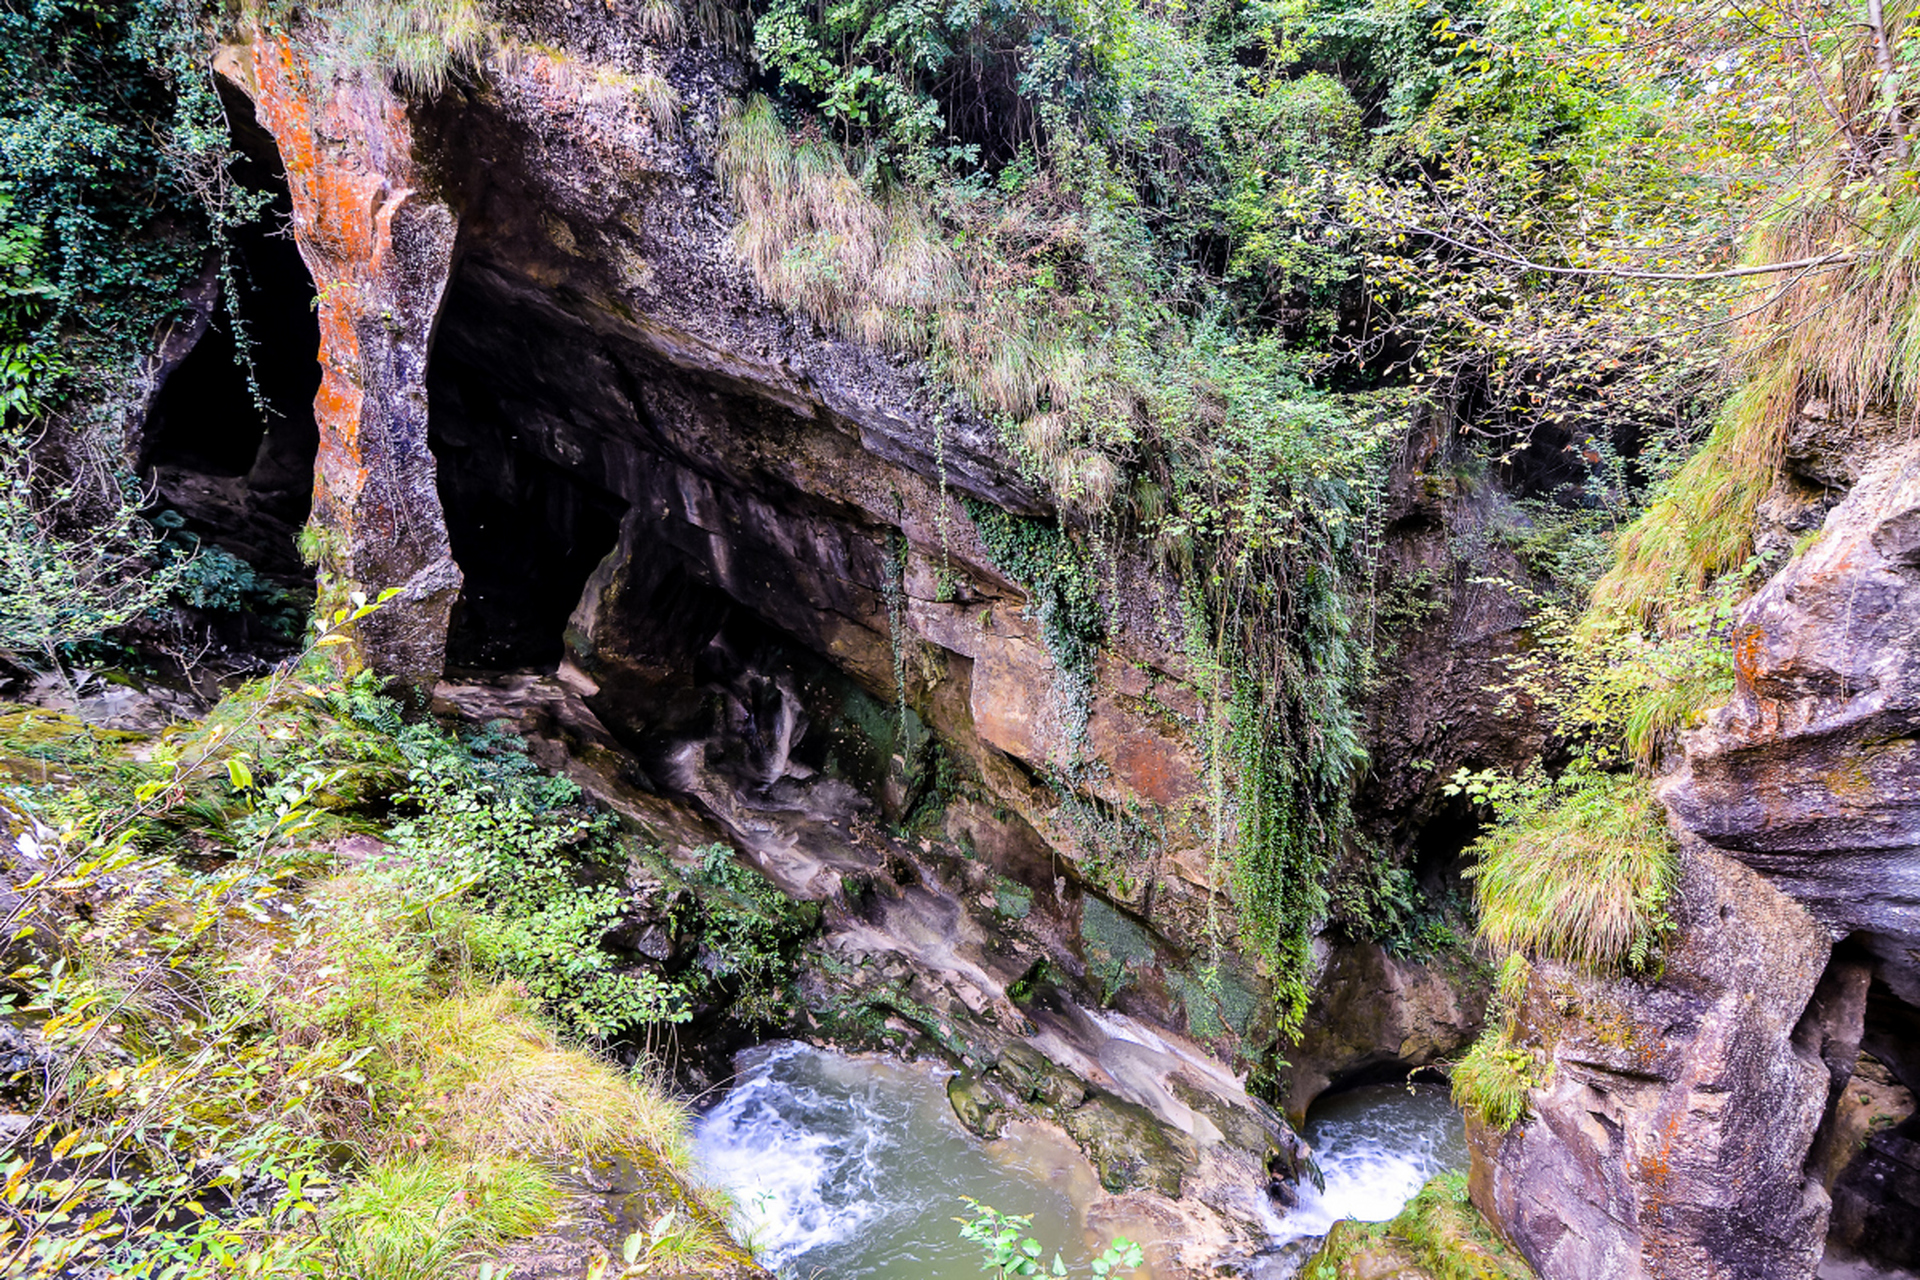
(1492, 1081)
(541, 872)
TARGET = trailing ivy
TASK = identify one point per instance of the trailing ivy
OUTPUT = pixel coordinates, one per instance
(1057, 575)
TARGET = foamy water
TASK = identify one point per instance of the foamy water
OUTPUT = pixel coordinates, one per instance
(854, 1167)
(1376, 1147)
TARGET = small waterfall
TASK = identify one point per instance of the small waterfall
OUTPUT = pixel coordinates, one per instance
(1376, 1147)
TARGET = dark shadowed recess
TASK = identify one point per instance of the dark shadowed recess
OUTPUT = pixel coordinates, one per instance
(525, 532)
(237, 464)
(1866, 1153)
(548, 435)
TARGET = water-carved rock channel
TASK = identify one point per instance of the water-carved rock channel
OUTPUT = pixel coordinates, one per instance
(854, 1166)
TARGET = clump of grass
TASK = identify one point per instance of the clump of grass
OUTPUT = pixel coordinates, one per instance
(860, 258)
(504, 1084)
(1848, 334)
(422, 1216)
(1492, 1081)
(1578, 870)
(676, 1243)
(661, 20)
(662, 101)
(868, 258)
(419, 43)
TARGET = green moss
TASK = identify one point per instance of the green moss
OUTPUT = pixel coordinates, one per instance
(1011, 898)
(1438, 1236)
(1117, 946)
(1057, 576)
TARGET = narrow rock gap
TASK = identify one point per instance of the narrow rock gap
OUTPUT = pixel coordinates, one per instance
(240, 469)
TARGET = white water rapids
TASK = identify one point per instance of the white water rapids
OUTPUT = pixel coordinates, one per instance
(854, 1167)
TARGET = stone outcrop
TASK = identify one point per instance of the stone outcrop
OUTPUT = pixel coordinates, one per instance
(1811, 774)
(1716, 1120)
(1672, 1117)
(1378, 1017)
(379, 248)
(926, 950)
(558, 413)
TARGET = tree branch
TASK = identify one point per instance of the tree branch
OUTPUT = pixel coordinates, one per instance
(1835, 258)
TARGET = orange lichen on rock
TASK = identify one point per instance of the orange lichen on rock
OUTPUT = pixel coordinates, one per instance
(379, 249)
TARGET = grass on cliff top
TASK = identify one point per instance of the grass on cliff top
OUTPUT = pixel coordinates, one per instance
(1438, 1236)
(419, 43)
(1848, 335)
(1579, 869)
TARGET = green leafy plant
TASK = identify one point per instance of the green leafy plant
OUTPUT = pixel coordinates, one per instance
(537, 865)
(1006, 1251)
(749, 930)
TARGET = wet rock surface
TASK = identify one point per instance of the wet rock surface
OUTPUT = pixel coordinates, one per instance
(917, 955)
(1376, 1016)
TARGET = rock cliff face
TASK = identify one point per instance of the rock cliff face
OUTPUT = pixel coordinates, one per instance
(1704, 1123)
(1672, 1117)
(718, 563)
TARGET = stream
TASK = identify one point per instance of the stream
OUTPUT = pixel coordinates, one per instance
(854, 1167)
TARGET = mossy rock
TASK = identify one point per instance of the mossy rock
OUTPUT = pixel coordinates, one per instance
(1034, 1078)
(1438, 1236)
(980, 1104)
(1129, 1147)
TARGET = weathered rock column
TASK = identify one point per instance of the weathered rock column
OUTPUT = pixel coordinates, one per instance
(380, 250)
(1672, 1117)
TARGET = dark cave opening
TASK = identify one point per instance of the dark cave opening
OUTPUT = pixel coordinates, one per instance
(549, 437)
(526, 531)
(237, 465)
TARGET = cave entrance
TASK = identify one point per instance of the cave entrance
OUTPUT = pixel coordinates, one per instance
(526, 521)
(239, 465)
(724, 615)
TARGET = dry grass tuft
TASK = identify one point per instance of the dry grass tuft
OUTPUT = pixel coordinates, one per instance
(502, 1083)
(869, 266)
(662, 101)
(873, 263)
(661, 20)
(420, 43)
(1581, 873)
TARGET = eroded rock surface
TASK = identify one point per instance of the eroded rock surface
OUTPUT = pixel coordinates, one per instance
(1672, 1119)
(379, 247)
(1811, 774)
(1375, 1016)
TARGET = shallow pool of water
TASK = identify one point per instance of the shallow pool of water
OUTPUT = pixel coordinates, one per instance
(855, 1167)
